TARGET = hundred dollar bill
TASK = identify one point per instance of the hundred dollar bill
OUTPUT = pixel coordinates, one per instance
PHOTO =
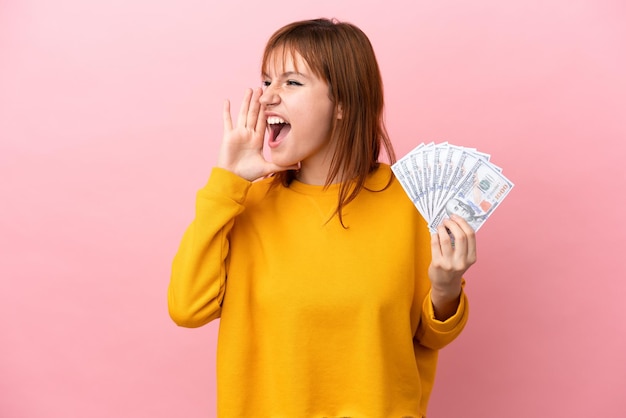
(417, 172)
(446, 171)
(423, 174)
(463, 160)
(403, 171)
(437, 169)
(476, 197)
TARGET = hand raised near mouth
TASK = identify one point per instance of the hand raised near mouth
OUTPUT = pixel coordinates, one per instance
(241, 151)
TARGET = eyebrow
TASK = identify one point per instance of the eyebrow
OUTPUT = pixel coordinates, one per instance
(286, 74)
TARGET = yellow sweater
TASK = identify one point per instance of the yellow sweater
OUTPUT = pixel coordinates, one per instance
(315, 320)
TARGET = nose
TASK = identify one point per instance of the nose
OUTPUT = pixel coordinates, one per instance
(270, 96)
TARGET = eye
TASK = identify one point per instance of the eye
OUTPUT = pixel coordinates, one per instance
(265, 83)
(293, 83)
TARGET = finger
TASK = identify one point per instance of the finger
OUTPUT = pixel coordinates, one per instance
(228, 122)
(445, 242)
(261, 123)
(435, 245)
(469, 233)
(460, 239)
(254, 110)
(243, 110)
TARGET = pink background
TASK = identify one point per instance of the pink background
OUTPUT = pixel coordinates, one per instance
(110, 121)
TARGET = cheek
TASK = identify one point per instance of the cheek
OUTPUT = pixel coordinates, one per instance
(321, 106)
(325, 114)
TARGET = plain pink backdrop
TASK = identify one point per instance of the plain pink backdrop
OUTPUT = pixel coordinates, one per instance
(110, 121)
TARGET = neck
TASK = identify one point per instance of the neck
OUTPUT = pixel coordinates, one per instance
(316, 175)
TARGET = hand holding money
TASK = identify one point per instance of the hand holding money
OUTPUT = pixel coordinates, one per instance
(456, 190)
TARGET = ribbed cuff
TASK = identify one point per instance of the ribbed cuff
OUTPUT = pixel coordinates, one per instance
(224, 183)
(449, 324)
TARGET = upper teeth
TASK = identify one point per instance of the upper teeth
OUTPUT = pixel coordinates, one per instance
(272, 120)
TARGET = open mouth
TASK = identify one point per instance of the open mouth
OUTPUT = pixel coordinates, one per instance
(277, 128)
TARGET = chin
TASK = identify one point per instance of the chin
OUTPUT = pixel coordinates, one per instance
(282, 161)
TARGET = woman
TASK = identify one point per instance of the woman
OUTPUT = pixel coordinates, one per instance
(333, 298)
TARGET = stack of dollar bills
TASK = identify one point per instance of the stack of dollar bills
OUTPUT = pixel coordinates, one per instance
(442, 179)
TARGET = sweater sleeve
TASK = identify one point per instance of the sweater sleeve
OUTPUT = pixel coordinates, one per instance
(198, 278)
(436, 334)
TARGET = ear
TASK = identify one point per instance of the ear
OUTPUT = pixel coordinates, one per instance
(339, 111)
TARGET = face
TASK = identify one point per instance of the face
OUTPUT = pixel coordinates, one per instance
(300, 115)
(459, 208)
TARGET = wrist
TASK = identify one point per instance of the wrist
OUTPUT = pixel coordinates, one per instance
(445, 301)
(446, 293)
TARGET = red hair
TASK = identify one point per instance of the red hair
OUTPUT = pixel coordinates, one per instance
(342, 55)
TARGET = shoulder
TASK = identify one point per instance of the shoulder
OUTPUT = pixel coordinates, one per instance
(384, 182)
(383, 193)
(384, 206)
(262, 192)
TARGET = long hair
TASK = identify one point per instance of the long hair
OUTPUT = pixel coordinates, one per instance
(342, 55)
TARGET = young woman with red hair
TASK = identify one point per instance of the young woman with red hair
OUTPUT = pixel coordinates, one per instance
(333, 297)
